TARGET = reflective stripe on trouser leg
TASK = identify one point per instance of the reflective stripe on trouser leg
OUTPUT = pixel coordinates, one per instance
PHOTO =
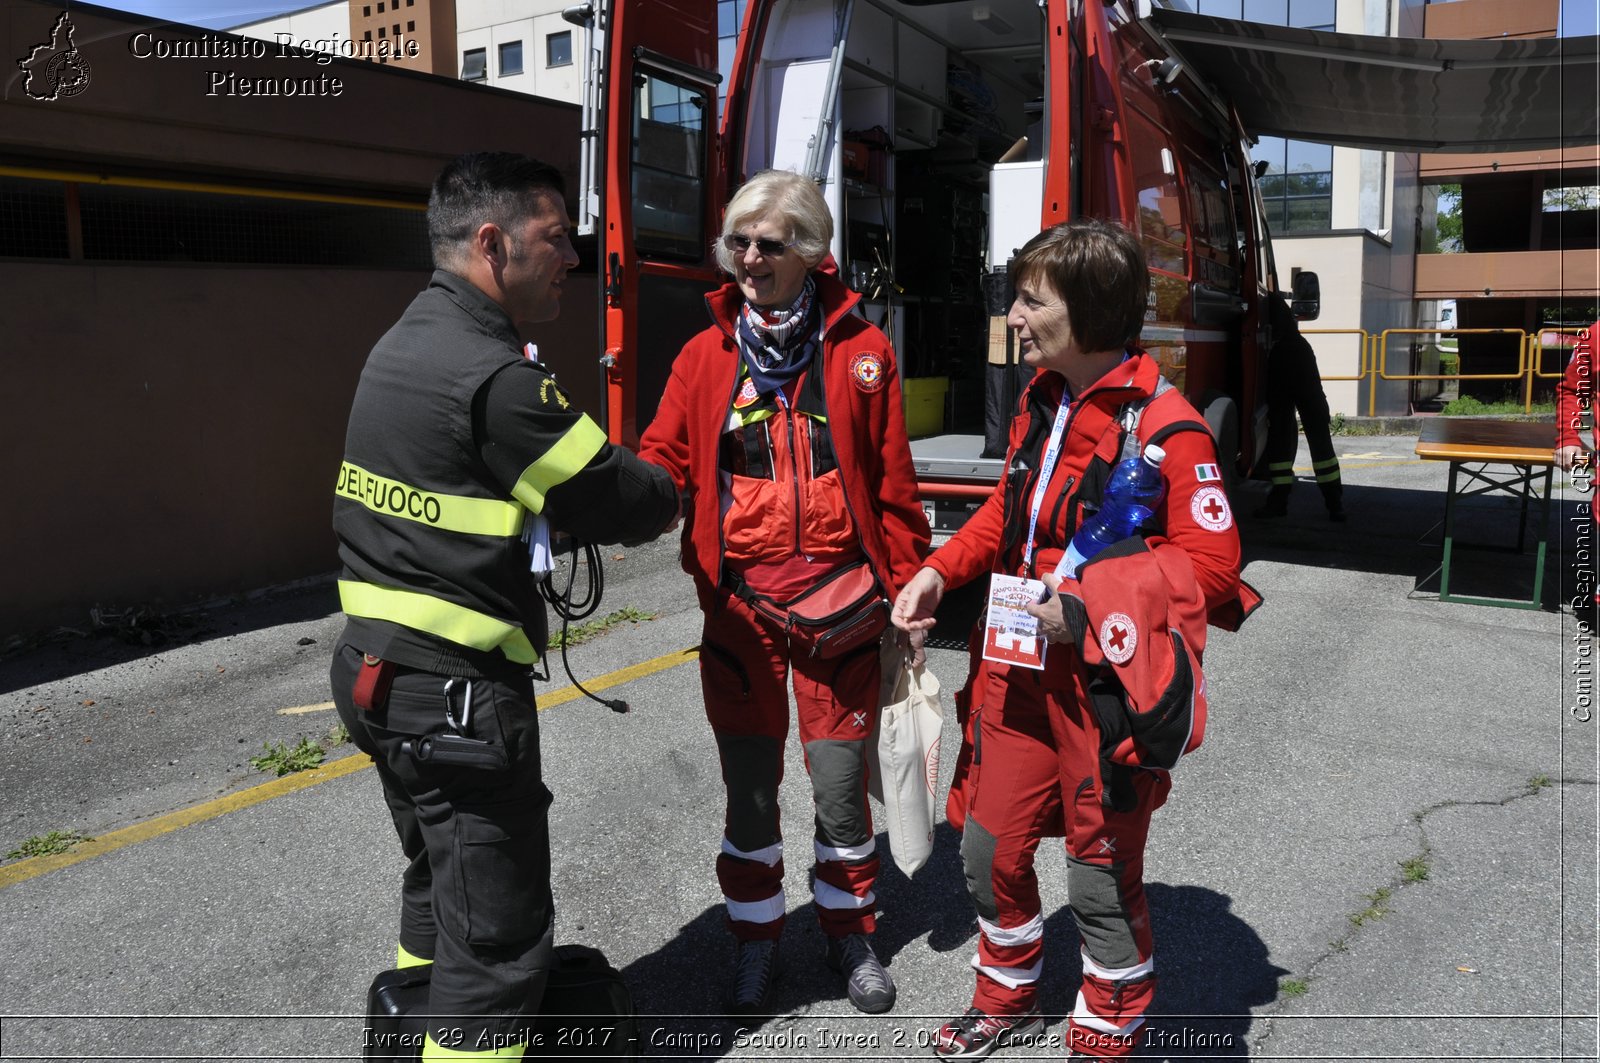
(750, 863)
(836, 704)
(1110, 1008)
(1010, 955)
(1105, 888)
(752, 887)
(511, 1048)
(1281, 473)
(1015, 791)
(846, 850)
(404, 958)
(744, 679)
(1326, 471)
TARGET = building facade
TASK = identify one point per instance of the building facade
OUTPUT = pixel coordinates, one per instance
(1526, 254)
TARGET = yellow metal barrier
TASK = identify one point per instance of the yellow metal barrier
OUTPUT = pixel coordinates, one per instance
(1361, 351)
(1381, 358)
(1374, 350)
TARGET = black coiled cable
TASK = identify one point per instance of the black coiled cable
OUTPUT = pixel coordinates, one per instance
(569, 609)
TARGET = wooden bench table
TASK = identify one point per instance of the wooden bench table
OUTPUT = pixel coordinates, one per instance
(1471, 445)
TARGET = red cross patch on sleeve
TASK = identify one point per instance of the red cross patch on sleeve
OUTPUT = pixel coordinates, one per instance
(1118, 637)
(867, 370)
(1209, 508)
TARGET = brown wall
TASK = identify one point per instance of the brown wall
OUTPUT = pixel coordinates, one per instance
(1444, 168)
(1476, 19)
(173, 430)
(1508, 274)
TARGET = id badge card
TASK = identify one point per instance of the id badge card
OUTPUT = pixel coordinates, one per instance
(1010, 633)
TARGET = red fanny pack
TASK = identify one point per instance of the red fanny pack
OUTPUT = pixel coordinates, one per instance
(843, 611)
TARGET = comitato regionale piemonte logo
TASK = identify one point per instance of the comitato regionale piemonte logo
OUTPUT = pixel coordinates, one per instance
(55, 69)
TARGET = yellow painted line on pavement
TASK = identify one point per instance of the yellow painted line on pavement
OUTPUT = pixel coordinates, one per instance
(301, 710)
(33, 867)
(186, 817)
(621, 675)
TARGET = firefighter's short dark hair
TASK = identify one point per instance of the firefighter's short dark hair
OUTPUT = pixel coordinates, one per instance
(1098, 269)
(487, 186)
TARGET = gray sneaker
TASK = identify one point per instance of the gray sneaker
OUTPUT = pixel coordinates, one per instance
(869, 985)
(755, 969)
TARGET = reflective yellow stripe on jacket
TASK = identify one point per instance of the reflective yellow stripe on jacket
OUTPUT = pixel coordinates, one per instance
(424, 612)
(559, 464)
(454, 513)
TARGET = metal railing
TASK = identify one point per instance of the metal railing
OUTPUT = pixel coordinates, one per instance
(1373, 357)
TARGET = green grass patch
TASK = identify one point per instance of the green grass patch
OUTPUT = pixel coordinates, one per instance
(1294, 987)
(1377, 907)
(281, 760)
(593, 629)
(1471, 406)
(51, 844)
(1538, 782)
(1415, 869)
(339, 735)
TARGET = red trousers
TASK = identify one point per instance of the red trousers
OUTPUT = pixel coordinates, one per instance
(746, 666)
(1035, 770)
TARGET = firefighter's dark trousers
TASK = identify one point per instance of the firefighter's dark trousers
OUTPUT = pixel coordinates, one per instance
(745, 670)
(1035, 770)
(475, 898)
(1296, 386)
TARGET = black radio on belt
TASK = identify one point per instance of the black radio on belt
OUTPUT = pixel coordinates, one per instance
(454, 749)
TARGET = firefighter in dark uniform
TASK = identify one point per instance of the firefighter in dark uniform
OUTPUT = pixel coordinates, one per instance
(1295, 383)
(460, 457)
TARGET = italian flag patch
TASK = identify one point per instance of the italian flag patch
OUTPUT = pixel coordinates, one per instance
(1206, 473)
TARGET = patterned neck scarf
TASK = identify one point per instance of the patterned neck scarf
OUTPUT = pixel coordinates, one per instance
(778, 345)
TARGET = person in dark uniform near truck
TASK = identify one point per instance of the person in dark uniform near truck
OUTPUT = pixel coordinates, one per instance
(461, 456)
(1294, 383)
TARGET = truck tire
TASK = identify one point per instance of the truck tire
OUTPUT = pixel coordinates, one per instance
(1222, 417)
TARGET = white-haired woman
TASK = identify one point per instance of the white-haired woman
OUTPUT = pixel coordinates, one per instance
(782, 422)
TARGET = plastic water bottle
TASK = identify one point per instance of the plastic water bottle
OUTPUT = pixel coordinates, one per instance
(1132, 493)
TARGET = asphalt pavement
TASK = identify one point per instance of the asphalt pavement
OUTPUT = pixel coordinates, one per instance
(1385, 849)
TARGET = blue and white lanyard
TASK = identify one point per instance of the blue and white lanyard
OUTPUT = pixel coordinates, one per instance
(1047, 467)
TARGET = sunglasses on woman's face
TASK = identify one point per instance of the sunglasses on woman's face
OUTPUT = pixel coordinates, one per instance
(738, 243)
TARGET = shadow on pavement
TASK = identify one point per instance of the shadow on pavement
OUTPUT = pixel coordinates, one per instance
(1214, 967)
(1399, 531)
(134, 633)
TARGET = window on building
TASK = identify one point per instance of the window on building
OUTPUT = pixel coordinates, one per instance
(510, 58)
(1305, 14)
(380, 8)
(558, 49)
(411, 27)
(1297, 189)
(1312, 14)
(367, 36)
(382, 32)
(366, 11)
(474, 64)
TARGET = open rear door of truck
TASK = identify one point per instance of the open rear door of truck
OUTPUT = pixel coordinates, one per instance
(662, 194)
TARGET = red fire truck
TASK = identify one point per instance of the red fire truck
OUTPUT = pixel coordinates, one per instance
(943, 135)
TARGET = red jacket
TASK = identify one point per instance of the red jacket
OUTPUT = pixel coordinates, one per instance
(1575, 394)
(861, 385)
(1195, 512)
